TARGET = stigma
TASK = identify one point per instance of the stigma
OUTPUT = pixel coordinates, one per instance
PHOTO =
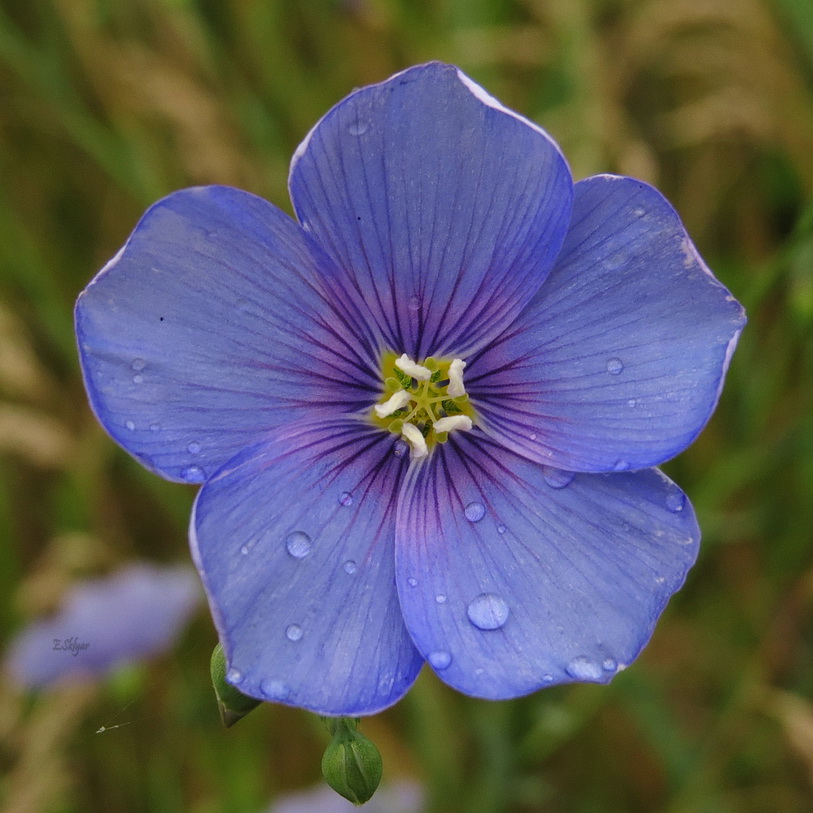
(423, 401)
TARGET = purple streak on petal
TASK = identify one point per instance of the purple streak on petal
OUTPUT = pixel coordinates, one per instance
(444, 210)
(619, 360)
(132, 614)
(294, 540)
(550, 582)
(210, 327)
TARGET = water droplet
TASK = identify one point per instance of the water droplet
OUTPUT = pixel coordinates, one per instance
(632, 402)
(547, 677)
(614, 366)
(488, 612)
(583, 668)
(675, 500)
(440, 659)
(234, 675)
(475, 511)
(358, 128)
(298, 544)
(400, 448)
(660, 580)
(274, 689)
(557, 478)
(138, 365)
(414, 303)
(293, 632)
(244, 550)
(609, 664)
(621, 465)
(192, 474)
(501, 529)
(130, 425)
(440, 598)
(193, 447)
(349, 567)
(346, 499)
(412, 582)
(533, 436)
(639, 212)
(138, 379)
(154, 427)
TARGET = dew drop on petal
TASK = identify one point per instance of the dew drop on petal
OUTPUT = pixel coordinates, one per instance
(583, 668)
(439, 659)
(155, 427)
(440, 598)
(138, 365)
(346, 499)
(130, 425)
(414, 303)
(358, 128)
(639, 212)
(614, 366)
(234, 675)
(501, 529)
(400, 448)
(349, 567)
(488, 611)
(193, 447)
(675, 500)
(138, 379)
(621, 465)
(610, 664)
(293, 632)
(274, 689)
(557, 478)
(412, 582)
(547, 677)
(474, 511)
(298, 544)
(244, 550)
(192, 474)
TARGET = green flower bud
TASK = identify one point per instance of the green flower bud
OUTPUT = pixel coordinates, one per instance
(232, 704)
(351, 763)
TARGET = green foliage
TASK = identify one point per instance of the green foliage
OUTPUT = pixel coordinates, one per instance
(109, 105)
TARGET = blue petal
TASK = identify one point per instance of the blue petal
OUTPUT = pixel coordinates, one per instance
(134, 613)
(513, 577)
(619, 360)
(294, 540)
(213, 325)
(444, 209)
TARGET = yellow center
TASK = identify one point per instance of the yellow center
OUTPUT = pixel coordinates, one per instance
(428, 402)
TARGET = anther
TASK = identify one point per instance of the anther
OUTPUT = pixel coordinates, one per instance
(392, 404)
(453, 422)
(416, 371)
(456, 388)
(412, 435)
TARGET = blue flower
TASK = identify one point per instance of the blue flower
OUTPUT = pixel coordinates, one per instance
(425, 415)
(104, 623)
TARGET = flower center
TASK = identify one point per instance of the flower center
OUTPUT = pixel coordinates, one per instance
(423, 401)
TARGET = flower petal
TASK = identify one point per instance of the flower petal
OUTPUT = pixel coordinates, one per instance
(294, 541)
(134, 613)
(209, 327)
(619, 360)
(513, 577)
(444, 209)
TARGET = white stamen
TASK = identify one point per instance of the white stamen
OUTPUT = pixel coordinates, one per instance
(456, 388)
(452, 422)
(412, 435)
(408, 366)
(392, 404)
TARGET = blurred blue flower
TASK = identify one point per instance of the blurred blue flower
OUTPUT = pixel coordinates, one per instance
(104, 623)
(426, 414)
(400, 797)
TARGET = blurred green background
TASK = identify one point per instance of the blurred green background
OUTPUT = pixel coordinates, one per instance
(106, 105)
